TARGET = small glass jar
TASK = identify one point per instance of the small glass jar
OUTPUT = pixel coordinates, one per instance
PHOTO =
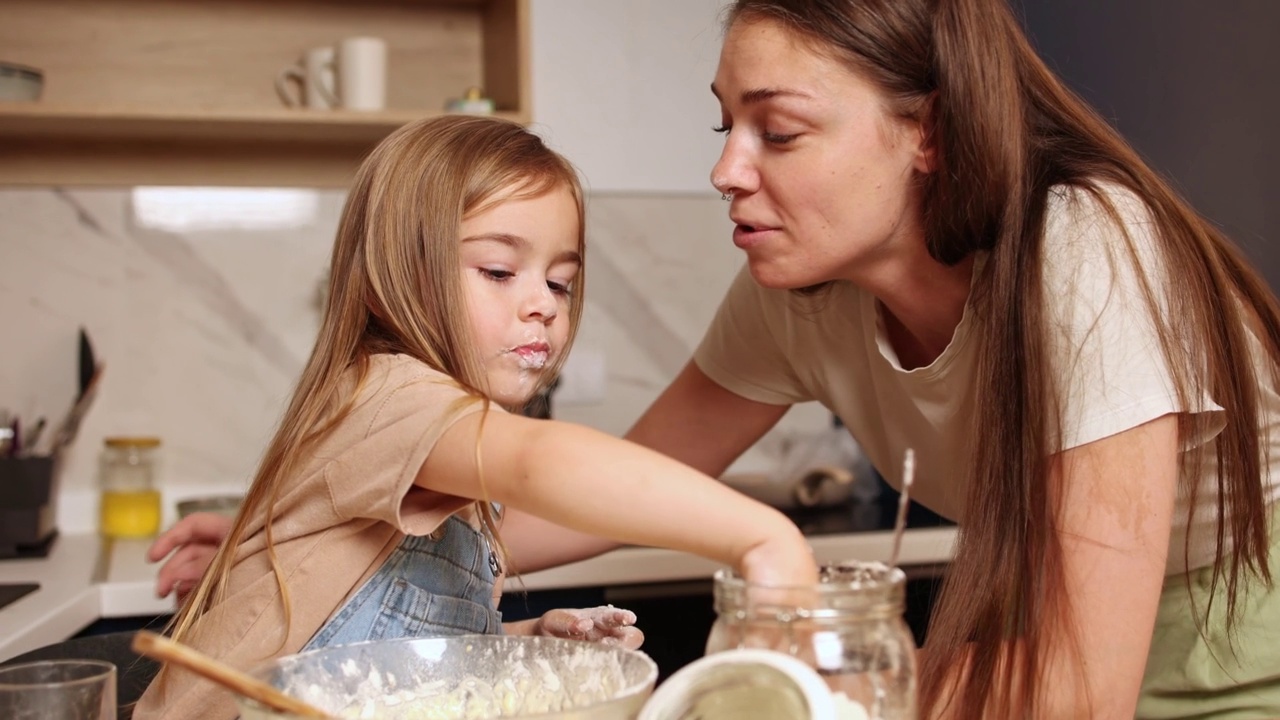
(848, 627)
(130, 503)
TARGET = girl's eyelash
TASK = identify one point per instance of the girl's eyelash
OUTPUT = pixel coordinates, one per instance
(497, 275)
(720, 128)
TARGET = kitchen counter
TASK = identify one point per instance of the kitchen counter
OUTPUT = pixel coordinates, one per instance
(85, 578)
(67, 600)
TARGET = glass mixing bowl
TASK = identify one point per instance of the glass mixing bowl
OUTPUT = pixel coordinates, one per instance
(468, 676)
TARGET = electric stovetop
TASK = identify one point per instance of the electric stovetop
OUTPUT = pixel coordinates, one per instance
(875, 516)
(11, 592)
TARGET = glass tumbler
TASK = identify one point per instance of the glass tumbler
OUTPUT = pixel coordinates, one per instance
(849, 628)
(58, 690)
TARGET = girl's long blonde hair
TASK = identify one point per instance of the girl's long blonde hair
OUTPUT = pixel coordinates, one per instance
(395, 287)
(1006, 131)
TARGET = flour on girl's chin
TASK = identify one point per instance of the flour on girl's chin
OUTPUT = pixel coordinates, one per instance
(532, 360)
(532, 353)
(520, 384)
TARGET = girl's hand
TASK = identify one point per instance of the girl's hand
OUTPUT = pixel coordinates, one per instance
(195, 538)
(606, 624)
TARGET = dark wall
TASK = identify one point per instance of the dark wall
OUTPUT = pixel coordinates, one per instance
(1194, 85)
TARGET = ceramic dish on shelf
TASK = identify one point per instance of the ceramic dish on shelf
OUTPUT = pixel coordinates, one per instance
(20, 82)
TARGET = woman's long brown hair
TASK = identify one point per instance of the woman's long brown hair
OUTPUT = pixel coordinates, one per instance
(1005, 131)
(395, 287)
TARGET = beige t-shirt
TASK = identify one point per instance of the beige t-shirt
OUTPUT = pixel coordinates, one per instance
(337, 518)
(770, 346)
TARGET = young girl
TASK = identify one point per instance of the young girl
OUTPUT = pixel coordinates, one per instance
(456, 291)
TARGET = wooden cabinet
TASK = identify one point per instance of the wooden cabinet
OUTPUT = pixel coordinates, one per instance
(183, 91)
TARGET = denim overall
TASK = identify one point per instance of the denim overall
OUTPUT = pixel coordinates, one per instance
(431, 585)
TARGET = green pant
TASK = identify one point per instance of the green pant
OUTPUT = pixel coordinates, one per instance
(1189, 676)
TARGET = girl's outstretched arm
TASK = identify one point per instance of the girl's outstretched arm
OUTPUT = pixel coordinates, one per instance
(695, 421)
(598, 484)
(675, 425)
(544, 544)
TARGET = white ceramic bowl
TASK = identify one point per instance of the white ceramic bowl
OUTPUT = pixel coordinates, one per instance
(745, 684)
(19, 82)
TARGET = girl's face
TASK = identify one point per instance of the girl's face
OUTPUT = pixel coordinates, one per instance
(519, 260)
(820, 173)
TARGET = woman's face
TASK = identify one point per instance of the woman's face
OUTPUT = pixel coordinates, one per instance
(822, 176)
(519, 262)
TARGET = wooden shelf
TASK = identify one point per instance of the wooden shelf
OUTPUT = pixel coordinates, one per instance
(162, 92)
(39, 122)
(49, 145)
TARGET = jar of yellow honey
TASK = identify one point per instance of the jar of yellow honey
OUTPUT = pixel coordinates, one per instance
(130, 506)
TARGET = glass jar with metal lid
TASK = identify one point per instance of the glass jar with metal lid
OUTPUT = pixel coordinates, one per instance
(849, 628)
(130, 502)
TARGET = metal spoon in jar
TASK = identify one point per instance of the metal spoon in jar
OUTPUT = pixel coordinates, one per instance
(900, 523)
(879, 693)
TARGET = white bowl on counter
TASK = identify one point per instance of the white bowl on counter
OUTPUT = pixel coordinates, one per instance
(746, 684)
(227, 505)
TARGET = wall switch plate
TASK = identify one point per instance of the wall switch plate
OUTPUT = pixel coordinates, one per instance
(582, 378)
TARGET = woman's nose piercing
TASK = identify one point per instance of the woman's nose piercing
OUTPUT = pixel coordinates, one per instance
(726, 196)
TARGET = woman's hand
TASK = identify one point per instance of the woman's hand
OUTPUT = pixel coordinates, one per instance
(195, 538)
(606, 624)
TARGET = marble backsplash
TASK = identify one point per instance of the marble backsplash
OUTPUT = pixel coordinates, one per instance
(202, 304)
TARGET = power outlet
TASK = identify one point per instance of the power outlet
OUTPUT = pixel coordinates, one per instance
(582, 379)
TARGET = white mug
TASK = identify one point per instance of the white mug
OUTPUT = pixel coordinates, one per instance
(315, 76)
(362, 73)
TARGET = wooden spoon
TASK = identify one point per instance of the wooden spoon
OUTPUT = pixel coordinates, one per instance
(161, 648)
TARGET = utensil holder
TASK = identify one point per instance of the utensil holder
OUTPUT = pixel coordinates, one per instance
(28, 488)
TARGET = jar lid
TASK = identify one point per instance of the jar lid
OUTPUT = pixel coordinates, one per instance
(132, 441)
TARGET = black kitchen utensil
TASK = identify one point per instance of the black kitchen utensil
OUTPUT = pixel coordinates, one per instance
(87, 364)
(90, 371)
(66, 432)
(33, 438)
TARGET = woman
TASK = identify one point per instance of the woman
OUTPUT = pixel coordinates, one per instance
(950, 251)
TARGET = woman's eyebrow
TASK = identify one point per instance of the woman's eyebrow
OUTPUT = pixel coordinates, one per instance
(759, 95)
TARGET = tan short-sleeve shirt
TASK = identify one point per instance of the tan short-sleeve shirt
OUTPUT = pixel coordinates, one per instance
(337, 517)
